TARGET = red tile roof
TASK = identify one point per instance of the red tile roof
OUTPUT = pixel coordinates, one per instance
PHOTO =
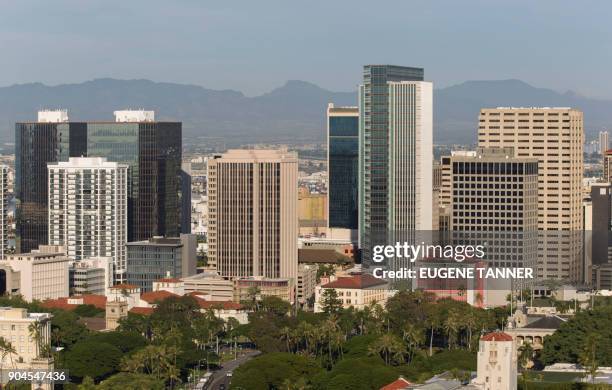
(226, 305)
(496, 336)
(156, 296)
(169, 280)
(125, 286)
(355, 282)
(145, 311)
(98, 301)
(399, 384)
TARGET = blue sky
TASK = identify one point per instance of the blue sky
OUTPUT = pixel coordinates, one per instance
(255, 46)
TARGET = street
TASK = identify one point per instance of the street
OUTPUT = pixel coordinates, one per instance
(220, 376)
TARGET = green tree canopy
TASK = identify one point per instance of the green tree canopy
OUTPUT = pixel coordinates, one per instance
(93, 359)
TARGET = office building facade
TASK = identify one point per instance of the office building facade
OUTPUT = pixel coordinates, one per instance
(253, 215)
(603, 142)
(555, 137)
(158, 258)
(343, 166)
(495, 200)
(88, 209)
(395, 143)
(4, 210)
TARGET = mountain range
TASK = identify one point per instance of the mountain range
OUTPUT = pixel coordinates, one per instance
(291, 113)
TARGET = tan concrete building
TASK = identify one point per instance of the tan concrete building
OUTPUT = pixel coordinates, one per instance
(607, 166)
(356, 291)
(210, 285)
(275, 287)
(555, 137)
(42, 273)
(15, 326)
(253, 214)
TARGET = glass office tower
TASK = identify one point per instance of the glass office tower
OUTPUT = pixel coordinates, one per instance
(375, 149)
(36, 144)
(343, 166)
(152, 150)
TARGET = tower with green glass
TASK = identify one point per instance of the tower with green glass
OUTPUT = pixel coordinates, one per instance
(374, 150)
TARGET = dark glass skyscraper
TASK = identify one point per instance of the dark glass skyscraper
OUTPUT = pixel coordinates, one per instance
(152, 150)
(374, 149)
(36, 144)
(343, 166)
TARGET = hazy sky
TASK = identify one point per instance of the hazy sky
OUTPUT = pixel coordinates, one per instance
(255, 46)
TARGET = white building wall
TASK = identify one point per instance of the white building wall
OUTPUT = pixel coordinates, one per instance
(88, 209)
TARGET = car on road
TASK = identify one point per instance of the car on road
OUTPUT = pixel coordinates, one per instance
(229, 374)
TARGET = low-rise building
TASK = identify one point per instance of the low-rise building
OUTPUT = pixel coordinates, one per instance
(160, 257)
(15, 326)
(41, 274)
(91, 276)
(209, 284)
(306, 283)
(533, 328)
(282, 288)
(356, 291)
(497, 362)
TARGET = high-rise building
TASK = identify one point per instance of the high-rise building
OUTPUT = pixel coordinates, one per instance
(607, 166)
(555, 137)
(395, 155)
(495, 199)
(253, 215)
(343, 166)
(4, 209)
(601, 223)
(151, 149)
(88, 209)
(603, 142)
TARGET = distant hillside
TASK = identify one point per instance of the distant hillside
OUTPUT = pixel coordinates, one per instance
(457, 107)
(295, 111)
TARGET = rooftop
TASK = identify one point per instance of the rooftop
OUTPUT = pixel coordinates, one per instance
(547, 322)
(496, 336)
(356, 282)
(156, 296)
(322, 256)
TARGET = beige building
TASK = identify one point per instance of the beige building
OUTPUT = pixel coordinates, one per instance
(306, 282)
(210, 285)
(497, 362)
(266, 287)
(356, 291)
(253, 214)
(312, 212)
(607, 166)
(555, 137)
(15, 326)
(41, 274)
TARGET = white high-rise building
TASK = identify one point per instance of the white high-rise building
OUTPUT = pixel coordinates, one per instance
(603, 142)
(88, 209)
(253, 214)
(4, 198)
(410, 184)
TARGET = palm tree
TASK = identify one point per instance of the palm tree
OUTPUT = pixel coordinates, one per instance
(525, 355)
(390, 347)
(287, 334)
(414, 336)
(6, 349)
(452, 326)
